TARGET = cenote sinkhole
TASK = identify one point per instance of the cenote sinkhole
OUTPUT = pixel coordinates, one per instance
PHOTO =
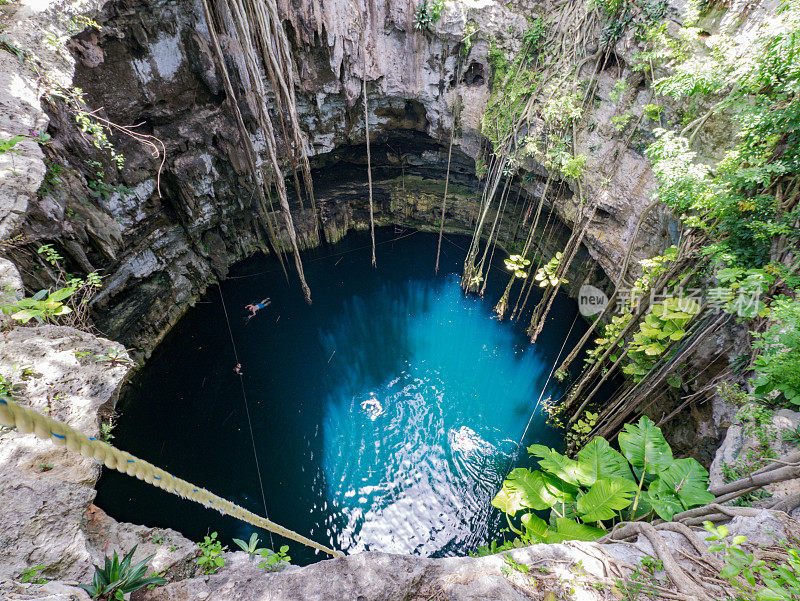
(413, 472)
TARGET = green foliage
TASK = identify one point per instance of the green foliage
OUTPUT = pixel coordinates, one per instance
(52, 177)
(640, 583)
(777, 366)
(96, 131)
(6, 387)
(117, 578)
(32, 576)
(71, 297)
(601, 486)
(581, 428)
(620, 122)
(535, 35)
(653, 111)
(619, 89)
(99, 188)
(481, 169)
(250, 547)
(470, 29)
(106, 429)
(274, 560)
(664, 323)
(41, 307)
(517, 264)
(427, 14)
(755, 579)
(211, 550)
(737, 204)
(8, 145)
(547, 274)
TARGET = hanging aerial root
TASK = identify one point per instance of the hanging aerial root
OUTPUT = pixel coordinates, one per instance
(27, 421)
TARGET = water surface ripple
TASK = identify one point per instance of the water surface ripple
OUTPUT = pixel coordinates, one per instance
(385, 415)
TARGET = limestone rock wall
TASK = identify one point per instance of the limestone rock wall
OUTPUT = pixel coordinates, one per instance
(150, 64)
(47, 492)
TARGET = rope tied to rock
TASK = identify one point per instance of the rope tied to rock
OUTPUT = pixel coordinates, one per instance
(27, 421)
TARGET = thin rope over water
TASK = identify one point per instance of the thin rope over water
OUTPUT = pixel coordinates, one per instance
(27, 421)
(247, 411)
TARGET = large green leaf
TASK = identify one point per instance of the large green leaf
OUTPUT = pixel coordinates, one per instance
(556, 464)
(526, 489)
(689, 481)
(559, 490)
(510, 498)
(644, 446)
(536, 528)
(598, 460)
(605, 498)
(663, 500)
(568, 529)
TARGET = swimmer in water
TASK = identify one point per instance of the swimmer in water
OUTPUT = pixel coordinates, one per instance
(256, 307)
(372, 406)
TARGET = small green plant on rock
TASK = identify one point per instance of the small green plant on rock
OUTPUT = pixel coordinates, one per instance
(274, 560)
(31, 575)
(641, 581)
(251, 547)
(211, 560)
(118, 578)
(755, 579)
(427, 14)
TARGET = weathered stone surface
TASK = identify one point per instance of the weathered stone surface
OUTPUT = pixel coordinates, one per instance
(385, 577)
(741, 442)
(46, 490)
(173, 555)
(51, 591)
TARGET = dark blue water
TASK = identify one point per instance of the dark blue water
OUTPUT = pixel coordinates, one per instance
(385, 415)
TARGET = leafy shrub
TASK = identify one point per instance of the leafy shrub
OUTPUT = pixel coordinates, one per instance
(778, 364)
(117, 578)
(601, 486)
(274, 560)
(427, 14)
(251, 547)
(756, 579)
(41, 307)
(211, 550)
(664, 323)
(32, 575)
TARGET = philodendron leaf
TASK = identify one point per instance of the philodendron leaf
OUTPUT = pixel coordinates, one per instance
(664, 501)
(605, 498)
(525, 489)
(556, 464)
(598, 460)
(535, 527)
(687, 479)
(644, 446)
(568, 529)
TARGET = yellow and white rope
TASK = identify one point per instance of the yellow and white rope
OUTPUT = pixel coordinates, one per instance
(27, 420)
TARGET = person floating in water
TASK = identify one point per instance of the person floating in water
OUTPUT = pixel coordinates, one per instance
(238, 369)
(256, 307)
(373, 407)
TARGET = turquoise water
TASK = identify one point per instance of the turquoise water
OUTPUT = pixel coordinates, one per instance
(385, 415)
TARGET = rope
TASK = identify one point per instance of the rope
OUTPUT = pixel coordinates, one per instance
(28, 421)
(247, 411)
